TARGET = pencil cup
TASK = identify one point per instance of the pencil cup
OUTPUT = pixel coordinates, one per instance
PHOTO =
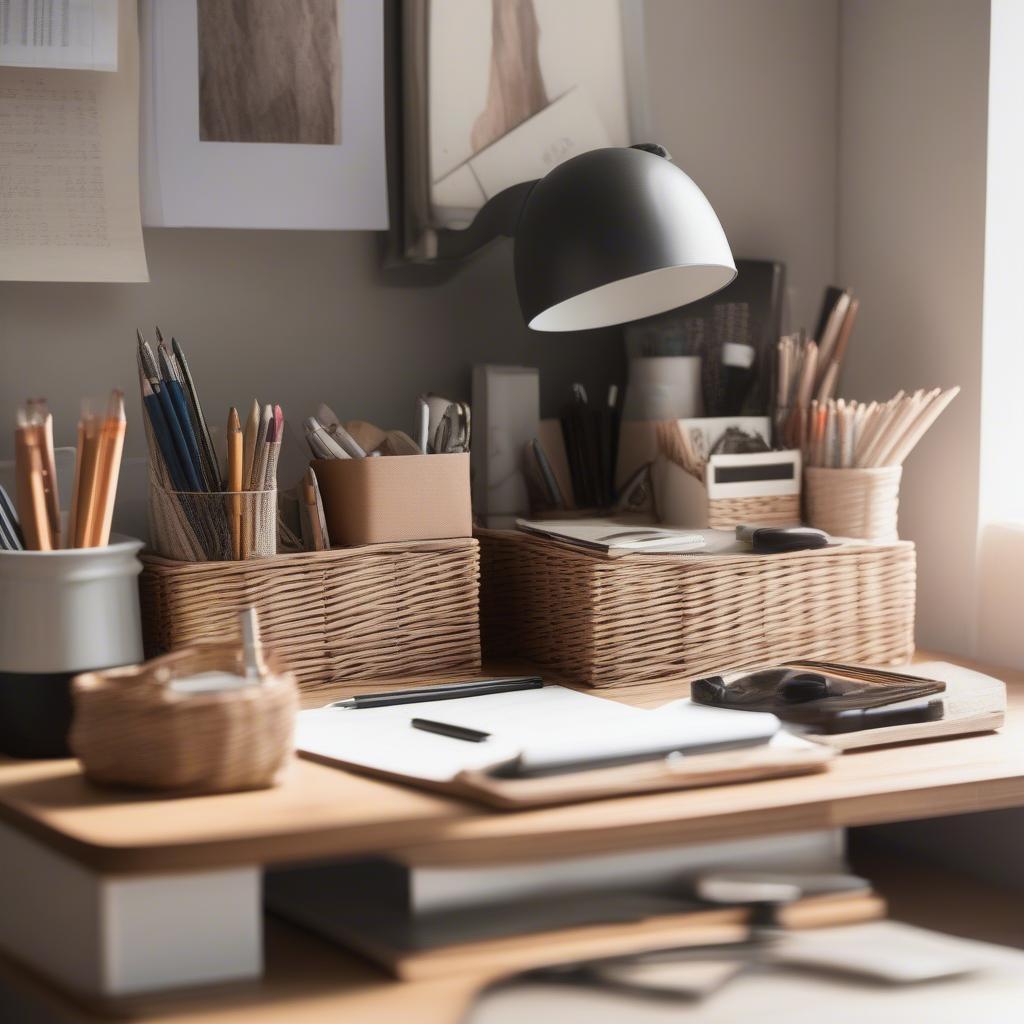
(859, 503)
(216, 526)
(61, 612)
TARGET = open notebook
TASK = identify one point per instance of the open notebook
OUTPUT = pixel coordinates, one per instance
(547, 728)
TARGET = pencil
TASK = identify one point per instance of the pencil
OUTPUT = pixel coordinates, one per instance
(235, 458)
(918, 428)
(252, 428)
(259, 459)
(45, 429)
(108, 470)
(309, 495)
(31, 494)
(86, 507)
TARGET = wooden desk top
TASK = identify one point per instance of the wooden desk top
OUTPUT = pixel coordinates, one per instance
(324, 811)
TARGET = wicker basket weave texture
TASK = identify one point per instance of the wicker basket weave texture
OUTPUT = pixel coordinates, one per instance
(861, 503)
(603, 621)
(767, 510)
(376, 612)
(131, 729)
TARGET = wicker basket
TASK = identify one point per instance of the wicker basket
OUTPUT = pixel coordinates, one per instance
(762, 510)
(131, 728)
(636, 618)
(862, 503)
(375, 612)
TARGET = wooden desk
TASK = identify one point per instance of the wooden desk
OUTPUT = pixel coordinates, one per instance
(324, 811)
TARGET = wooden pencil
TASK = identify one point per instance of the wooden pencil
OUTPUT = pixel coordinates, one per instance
(108, 470)
(30, 493)
(235, 464)
(86, 507)
(920, 426)
(309, 497)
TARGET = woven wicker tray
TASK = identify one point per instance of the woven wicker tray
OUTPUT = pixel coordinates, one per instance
(638, 618)
(375, 612)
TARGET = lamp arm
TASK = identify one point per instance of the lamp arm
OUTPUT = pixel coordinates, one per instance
(497, 217)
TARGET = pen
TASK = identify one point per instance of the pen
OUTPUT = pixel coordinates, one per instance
(455, 732)
(174, 427)
(202, 429)
(445, 691)
(179, 403)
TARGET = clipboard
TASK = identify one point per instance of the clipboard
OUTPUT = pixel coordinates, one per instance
(380, 742)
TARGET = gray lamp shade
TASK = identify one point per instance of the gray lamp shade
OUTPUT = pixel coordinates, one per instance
(614, 235)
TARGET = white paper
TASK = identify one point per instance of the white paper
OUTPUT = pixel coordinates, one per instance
(337, 184)
(70, 34)
(575, 62)
(539, 724)
(564, 129)
(69, 171)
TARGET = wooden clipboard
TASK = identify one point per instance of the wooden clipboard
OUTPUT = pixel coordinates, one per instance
(746, 764)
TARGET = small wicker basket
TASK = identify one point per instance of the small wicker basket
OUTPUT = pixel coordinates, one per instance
(859, 503)
(132, 728)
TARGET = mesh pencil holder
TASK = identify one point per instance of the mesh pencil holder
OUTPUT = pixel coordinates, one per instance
(215, 526)
(859, 503)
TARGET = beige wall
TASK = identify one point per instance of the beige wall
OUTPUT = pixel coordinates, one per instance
(913, 115)
(743, 94)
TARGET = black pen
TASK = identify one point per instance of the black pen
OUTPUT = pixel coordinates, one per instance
(446, 691)
(455, 732)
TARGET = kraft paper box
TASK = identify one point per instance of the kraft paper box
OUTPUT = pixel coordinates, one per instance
(395, 498)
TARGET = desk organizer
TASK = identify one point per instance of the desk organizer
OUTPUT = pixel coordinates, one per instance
(638, 618)
(131, 728)
(374, 612)
(761, 489)
(395, 498)
(860, 503)
(196, 526)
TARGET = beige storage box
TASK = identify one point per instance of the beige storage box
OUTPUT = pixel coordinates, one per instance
(395, 498)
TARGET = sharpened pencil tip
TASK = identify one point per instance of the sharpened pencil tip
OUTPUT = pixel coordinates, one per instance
(139, 335)
(159, 336)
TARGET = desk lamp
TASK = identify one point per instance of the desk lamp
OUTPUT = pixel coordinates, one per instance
(607, 237)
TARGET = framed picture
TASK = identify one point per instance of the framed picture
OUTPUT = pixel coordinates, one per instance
(265, 114)
(490, 93)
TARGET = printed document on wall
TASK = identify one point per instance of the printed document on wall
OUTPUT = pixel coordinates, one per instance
(70, 34)
(266, 115)
(69, 171)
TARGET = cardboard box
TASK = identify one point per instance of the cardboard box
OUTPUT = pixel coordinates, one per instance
(395, 498)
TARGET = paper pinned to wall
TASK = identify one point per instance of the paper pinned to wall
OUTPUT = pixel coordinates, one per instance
(70, 34)
(69, 171)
